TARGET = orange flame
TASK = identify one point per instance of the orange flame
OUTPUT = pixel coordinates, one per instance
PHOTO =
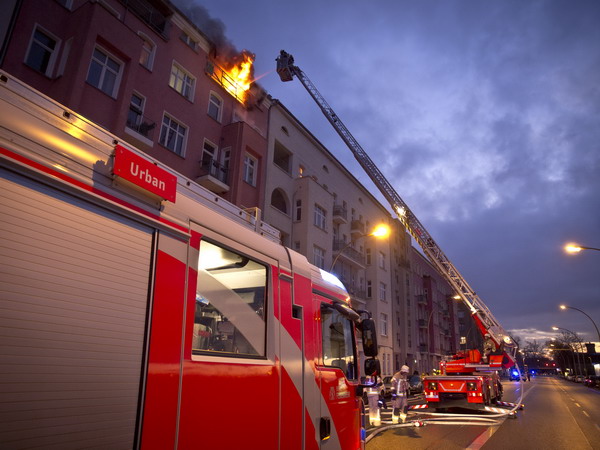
(241, 75)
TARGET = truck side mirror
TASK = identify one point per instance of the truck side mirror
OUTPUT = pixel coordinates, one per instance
(372, 367)
(369, 337)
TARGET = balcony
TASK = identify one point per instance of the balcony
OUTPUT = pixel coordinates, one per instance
(349, 253)
(357, 228)
(215, 177)
(148, 13)
(340, 214)
(142, 126)
(354, 290)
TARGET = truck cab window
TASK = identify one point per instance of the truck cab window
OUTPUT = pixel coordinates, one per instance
(338, 341)
(230, 303)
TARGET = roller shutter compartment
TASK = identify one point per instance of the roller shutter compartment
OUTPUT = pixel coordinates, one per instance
(73, 299)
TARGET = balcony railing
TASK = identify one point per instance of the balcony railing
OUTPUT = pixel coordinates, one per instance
(214, 169)
(349, 252)
(141, 124)
(149, 14)
(357, 227)
(340, 213)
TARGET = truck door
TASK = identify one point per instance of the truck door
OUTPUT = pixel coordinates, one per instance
(339, 423)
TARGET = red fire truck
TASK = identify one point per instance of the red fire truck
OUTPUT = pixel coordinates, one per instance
(139, 310)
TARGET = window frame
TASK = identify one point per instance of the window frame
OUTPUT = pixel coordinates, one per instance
(104, 69)
(151, 54)
(184, 138)
(383, 324)
(219, 108)
(52, 59)
(200, 354)
(320, 217)
(180, 79)
(250, 172)
(319, 253)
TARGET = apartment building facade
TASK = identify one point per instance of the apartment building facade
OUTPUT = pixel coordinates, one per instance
(323, 211)
(143, 71)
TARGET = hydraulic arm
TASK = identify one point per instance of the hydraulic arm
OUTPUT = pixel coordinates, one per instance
(480, 312)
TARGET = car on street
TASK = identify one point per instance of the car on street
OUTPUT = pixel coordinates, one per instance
(415, 385)
(579, 379)
(592, 381)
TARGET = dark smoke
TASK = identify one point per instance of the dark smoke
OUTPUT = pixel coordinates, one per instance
(226, 53)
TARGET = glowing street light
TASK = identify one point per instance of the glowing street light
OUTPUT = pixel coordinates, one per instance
(577, 309)
(576, 248)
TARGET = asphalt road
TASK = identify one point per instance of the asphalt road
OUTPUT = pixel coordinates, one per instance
(558, 414)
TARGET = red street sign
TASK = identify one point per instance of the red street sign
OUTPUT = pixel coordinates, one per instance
(144, 174)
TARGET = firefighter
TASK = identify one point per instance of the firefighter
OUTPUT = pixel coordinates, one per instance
(373, 391)
(489, 346)
(400, 395)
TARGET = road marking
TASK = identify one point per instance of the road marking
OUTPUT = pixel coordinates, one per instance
(578, 405)
(482, 438)
(587, 415)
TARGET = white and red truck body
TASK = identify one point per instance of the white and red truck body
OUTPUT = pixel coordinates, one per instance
(101, 343)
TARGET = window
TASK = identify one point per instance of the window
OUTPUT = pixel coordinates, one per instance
(135, 115)
(382, 291)
(172, 135)
(104, 72)
(319, 217)
(282, 157)
(319, 257)
(278, 200)
(298, 216)
(190, 41)
(369, 289)
(381, 260)
(230, 304)
(338, 341)
(215, 105)
(182, 81)
(368, 256)
(250, 168)
(297, 245)
(148, 51)
(42, 52)
(383, 324)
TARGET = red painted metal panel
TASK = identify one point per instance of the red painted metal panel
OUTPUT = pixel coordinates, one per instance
(160, 411)
(291, 417)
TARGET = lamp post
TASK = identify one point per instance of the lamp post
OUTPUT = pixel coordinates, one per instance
(577, 309)
(576, 248)
(578, 340)
(380, 231)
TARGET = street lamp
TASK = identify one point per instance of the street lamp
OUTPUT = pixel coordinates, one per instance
(577, 309)
(380, 231)
(578, 340)
(576, 248)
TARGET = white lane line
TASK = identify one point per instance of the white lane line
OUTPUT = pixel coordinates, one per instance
(578, 405)
(587, 415)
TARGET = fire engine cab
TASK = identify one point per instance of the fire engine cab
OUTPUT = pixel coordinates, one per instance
(139, 310)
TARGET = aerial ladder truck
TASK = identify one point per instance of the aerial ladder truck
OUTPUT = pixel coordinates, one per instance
(468, 377)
